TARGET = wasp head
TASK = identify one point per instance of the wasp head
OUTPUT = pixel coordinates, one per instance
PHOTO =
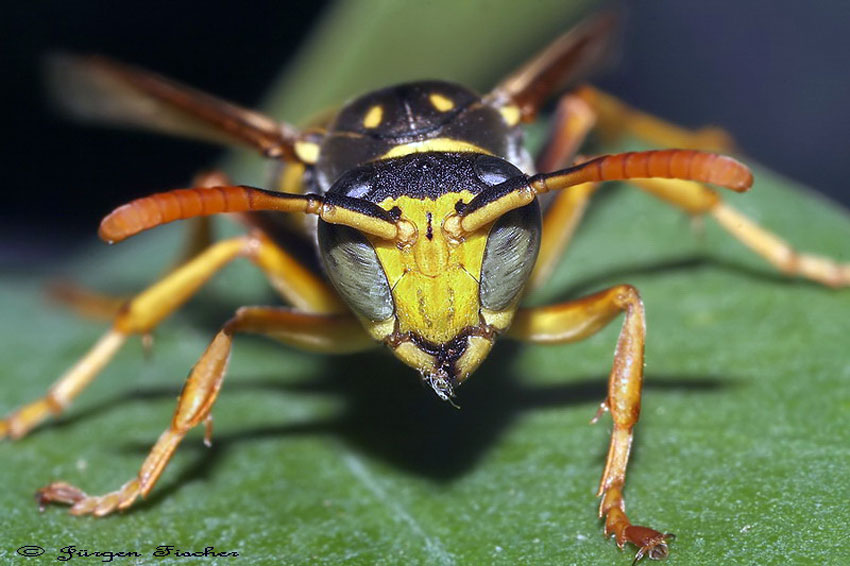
(436, 301)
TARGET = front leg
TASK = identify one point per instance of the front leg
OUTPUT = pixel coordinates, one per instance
(576, 320)
(332, 333)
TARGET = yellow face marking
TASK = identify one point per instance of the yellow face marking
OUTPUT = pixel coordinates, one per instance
(434, 281)
(436, 144)
(380, 330)
(440, 102)
(414, 357)
(500, 320)
(373, 117)
(292, 178)
(472, 357)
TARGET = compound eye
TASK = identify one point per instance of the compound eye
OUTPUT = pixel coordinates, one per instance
(353, 267)
(509, 256)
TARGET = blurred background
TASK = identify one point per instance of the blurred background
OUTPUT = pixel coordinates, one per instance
(772, 72)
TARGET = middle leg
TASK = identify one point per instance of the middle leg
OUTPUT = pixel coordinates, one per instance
(330, 333)
(144, 312)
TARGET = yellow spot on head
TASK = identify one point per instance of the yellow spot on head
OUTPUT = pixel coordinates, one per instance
(440, 102)
(510, 114)
(373, 117)
(307, 152)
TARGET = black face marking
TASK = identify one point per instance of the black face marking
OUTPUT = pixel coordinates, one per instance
(493, 170)
(499, 174)
(429, 232)
(421, 176)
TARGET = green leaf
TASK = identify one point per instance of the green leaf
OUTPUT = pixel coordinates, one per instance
(742, 449)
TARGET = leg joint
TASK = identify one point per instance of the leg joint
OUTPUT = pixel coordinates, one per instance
(627, 297)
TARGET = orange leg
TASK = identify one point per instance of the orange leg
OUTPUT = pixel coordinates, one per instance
(576, 320)
(330, 333)
(576, 115)
(560, 222)
(144, 312)
(573, 121)
(85, 302)
(97, 305)
(587, 107)
(102, 306)
(615, 118)
(695, 198)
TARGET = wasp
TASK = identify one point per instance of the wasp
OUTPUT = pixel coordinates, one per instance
(431, 220)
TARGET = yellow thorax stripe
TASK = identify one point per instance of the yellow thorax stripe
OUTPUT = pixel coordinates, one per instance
(436, 144)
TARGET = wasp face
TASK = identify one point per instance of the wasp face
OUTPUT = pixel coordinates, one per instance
(436, 302)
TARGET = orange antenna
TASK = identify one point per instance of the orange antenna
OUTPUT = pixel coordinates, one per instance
(683, 164)
(161, 208)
